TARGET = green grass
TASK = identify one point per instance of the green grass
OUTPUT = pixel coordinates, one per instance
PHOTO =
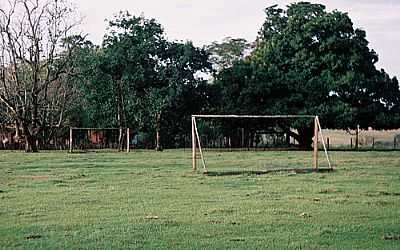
(153, 200)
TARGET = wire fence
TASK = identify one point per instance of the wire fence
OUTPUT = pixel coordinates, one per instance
(365, 140)
(334, 139)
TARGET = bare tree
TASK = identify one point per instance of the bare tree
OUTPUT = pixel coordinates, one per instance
(33, 59)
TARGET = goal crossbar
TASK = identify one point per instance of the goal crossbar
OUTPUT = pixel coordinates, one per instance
(317, 132)
(253, 116)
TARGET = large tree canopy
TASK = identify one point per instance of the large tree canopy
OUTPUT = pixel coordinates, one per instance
(310, 61)
(137, 76)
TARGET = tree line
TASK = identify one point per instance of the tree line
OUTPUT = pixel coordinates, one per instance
(305, 60)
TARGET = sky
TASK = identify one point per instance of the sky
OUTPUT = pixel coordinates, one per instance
(205, 21)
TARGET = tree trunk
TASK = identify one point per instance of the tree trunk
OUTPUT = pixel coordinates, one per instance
(30, 138)
(305, 137)
(121, 115)
(287, 139)
(121, 135)
(357, 137)
(158, 145)
(16, 137)
(30, 144)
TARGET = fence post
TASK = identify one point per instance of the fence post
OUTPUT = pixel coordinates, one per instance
(357, 137)
(128, 145)
(351, 142)
(328, 143)
(315, 144)
(373, 142)
(70, 140)
(194, 167)
(394, 143)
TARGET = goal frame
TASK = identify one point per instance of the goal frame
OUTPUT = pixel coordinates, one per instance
(196, 142)
(71, 134)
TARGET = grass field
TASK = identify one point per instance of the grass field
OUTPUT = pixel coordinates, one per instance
(153, 200)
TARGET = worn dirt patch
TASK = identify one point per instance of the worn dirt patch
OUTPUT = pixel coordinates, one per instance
(237, 239)
(33, 237)
(215, 222)
(391, 237)
(328, 191)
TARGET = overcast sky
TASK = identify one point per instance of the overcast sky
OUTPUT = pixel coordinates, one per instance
(204, 21)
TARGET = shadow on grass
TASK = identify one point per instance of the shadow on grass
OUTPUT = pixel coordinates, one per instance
(263, 172)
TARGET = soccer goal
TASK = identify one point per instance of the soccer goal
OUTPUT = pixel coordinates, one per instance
(258, 143)
(86, 139)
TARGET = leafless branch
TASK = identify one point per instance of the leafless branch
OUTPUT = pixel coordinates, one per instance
(33, 62)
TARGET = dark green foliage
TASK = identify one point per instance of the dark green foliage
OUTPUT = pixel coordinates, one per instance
(305, 61)
(138, 77)
(91, 107)
(310, 61)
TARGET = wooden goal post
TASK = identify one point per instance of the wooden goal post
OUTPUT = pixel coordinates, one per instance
(196, 143)
(71, 136)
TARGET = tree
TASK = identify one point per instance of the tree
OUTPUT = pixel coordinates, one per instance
(89, 108)
(226, 53)
(183, 63)
(137, 76)
(310, 61)
(131, 58)
(32, 62)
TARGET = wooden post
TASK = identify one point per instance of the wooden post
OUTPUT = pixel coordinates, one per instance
(315, 156)
(158, 136)
(70, 140)
(328, 143)
(394, 143)
(193, 146)
(242, 138)
(351, 142)
(357, 135)
(199, 144)
(323, 144)
(373, 142)
(128, 145)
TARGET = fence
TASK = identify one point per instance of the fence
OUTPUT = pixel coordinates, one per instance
(335, 140)
(366, 139)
